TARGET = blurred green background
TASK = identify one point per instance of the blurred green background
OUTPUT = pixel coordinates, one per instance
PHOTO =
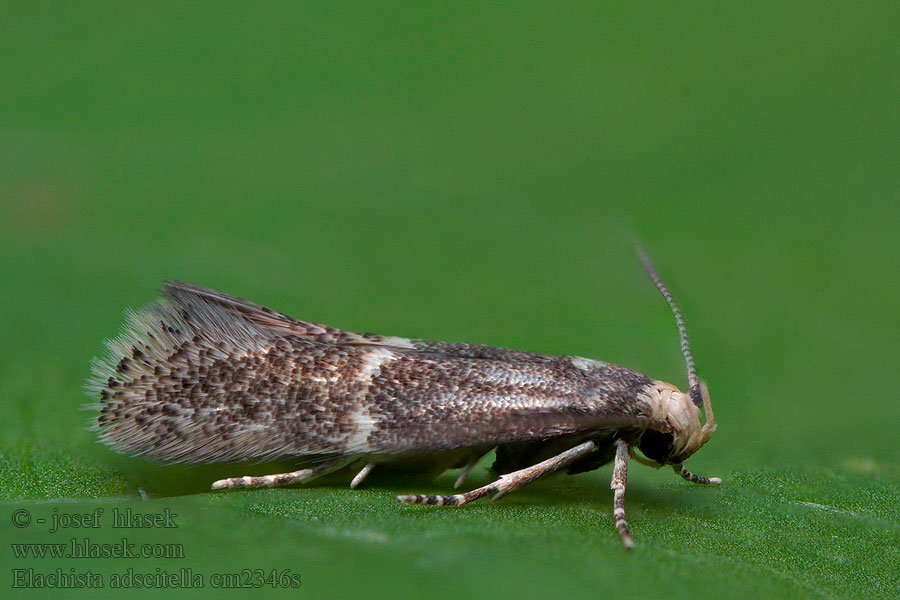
(473, 172)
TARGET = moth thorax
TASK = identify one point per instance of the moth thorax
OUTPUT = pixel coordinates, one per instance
(676, 408)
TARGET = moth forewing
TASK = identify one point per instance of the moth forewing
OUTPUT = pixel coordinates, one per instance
(201, 376)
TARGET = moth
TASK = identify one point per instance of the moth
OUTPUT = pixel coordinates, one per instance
(200, 376)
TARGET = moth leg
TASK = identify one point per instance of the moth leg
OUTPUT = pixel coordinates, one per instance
(619, 477)
(363, 473)
(506, 483)
(465, 472)
(642, 460)
(301, 476)
(695, 478)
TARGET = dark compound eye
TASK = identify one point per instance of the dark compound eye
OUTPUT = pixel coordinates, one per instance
(657, 446)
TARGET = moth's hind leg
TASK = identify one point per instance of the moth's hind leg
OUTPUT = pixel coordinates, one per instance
(695, 478)
(506, 483)
(301, 476)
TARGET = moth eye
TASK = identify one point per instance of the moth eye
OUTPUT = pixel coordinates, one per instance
(657, 446)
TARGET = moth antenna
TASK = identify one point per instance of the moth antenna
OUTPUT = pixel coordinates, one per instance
(693, 380)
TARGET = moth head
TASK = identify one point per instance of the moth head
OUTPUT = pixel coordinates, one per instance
(681, 414)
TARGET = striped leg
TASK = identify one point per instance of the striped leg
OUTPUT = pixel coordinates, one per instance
(301, 476)
(695, 478)
(619, 477)
(506, 483)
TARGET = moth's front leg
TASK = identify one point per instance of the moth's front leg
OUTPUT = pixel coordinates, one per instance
(506, 483)
(695, 478)
(619, 478)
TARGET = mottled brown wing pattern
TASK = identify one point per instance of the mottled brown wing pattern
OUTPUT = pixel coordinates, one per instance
(202, 376)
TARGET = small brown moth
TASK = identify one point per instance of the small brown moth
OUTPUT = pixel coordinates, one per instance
(201, 376)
